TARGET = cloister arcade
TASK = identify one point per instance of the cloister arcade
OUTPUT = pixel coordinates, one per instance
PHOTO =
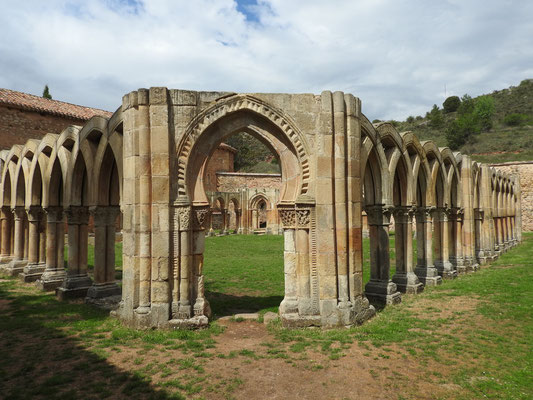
(143, 166)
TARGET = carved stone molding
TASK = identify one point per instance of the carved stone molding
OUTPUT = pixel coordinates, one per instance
(378, 215)
(77, 215)
(200, 217)
(403, 214)
(184, 218)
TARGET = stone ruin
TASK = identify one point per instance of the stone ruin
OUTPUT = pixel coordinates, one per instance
(146, 163)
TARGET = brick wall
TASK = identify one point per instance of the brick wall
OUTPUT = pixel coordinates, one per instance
(525, 170)
(228, 181)
(221, 160)
(17, 126)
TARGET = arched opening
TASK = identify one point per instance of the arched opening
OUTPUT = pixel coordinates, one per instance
(7, 219)
(235, 297)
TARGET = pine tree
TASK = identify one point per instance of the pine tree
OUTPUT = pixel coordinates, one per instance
(46, 93)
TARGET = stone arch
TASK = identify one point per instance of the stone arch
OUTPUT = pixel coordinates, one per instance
(242, 113)
(259, 206)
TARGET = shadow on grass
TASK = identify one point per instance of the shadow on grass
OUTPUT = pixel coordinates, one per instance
(41, 359)
(223, 304)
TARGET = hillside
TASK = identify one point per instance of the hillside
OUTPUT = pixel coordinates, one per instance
(509, 138)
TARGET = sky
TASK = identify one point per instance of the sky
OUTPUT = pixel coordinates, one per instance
(399, 57)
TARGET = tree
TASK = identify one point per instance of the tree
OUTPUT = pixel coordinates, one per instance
(483, 111)
(46, 93)
(451, 104)
(435, 117)
(461, 130)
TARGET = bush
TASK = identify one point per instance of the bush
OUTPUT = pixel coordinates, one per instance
(514, 119)
(451, 104)
(483, 111)
(461, 130)
(410, 119)
(376, 121)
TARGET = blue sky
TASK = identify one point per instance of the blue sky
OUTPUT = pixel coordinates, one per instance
(397, 56)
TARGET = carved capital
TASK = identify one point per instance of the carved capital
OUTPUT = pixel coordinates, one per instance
(200, 217)
(378, 214)
(54, 214)
(35, 213)
(18, 212)
(183, 218)
(104, 215)
(288, 218)
(479, 214)
(403, 214)
(77, 215)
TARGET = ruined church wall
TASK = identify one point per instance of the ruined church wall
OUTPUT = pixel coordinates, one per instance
(227, 182)
(525, 170)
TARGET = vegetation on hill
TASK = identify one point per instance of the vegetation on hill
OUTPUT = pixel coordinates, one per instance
(252, 155)
(496, 127)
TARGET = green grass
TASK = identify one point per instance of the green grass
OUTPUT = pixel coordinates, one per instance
(63, 349)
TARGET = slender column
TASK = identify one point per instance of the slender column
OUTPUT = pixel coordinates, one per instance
(42, 240)
(238, 218)
(17, 264)
(201, 306)
(481, 252)
(445, 267)
(54, 272)
(380, 289)
(6, 220)
(104, 284)
(224, 214)
(405, 277)
(289, 305)
(34, 269)
(456, 218)
(26, 237)
(77, 282)
(182, 304)
(425, 270)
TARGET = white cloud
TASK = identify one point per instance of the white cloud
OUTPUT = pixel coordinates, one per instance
(397, 56)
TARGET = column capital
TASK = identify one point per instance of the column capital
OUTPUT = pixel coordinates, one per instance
(424, 213)
(18, 212)
(403, 214)
(479, 213)
(378, 214)
(443, 213)
(104, 215)
(54, 214)
(35, 213)
(200, 217)
(77, 215)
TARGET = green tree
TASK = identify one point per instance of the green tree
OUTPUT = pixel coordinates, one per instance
(46, 93)
(451, 104)
(467, 105)
(435, 117)
(461, 130)
(483, 112)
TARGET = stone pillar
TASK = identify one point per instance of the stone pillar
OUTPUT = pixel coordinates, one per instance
(445, 267)
(104, 284)
(54, 272)
(238, 218)
(405, 277)
(211, 230)
(224, 214)
(17, 264)
(77, 282)
(456, 218)
(201, 308)
(289, 305)
(481, 252)
(380, 289)
(6, 222)
(425, 269)
(35, 267)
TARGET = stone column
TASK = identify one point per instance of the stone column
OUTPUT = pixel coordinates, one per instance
(456, 218)
(425, 269)
(54, 272)
(224, 214)
(17, 264)
(481, 252)
(445, 267)
(405, 277)
(35, 268)
(104, 284)
(380, 289)
(211, 230)
(6, 221)
(201, 307)
(289, 305)
(77, 282)
(238, 218)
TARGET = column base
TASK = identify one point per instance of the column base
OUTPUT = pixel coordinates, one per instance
(408, 283)
(332, 314)
(200, 321)
(202, 307)
(74, 287)
(32, 272)
(6, 259)
(295, 320)
(289, 305)
(382, 293)
(101, 290)
(428, 275)
(51, 279)
(446, 269)
(110, 303)
(14, 268)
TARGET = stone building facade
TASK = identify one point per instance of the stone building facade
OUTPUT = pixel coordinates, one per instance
(147, 162)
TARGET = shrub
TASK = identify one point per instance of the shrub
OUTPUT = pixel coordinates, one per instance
(410, 119)
(514, 119)
(483, 111)
(451, 104)
(435, 117)
(461, 130)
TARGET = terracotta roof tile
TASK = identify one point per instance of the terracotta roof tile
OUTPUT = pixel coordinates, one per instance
(35, 103)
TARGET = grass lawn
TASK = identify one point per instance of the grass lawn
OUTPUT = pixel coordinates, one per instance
(467, 339)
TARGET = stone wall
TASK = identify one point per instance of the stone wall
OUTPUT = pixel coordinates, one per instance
(228, 181)
(17, 126)
(525, 170)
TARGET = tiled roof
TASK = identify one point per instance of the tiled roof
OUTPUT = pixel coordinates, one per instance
(30, 102)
